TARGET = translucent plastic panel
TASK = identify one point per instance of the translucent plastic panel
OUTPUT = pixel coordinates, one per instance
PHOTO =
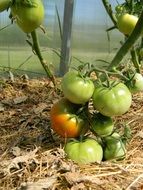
(90, 41)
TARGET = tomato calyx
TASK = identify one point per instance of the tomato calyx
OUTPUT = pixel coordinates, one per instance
(108, 83)
(81, 138)
(119, 9)
(25, 3)
(104, 77)
(131, 79)
(135, 82)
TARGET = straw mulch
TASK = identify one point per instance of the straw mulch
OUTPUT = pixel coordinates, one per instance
(32, 156)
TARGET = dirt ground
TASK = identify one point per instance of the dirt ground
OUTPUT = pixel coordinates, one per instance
(32, 156)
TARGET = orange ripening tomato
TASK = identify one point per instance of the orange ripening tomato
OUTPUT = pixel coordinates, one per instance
(64, 120)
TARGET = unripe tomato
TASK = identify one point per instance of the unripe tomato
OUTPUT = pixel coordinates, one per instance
(76, 88)
(28, 17)
(136, 84)
(114, 147)
(126, 23)
(112, 101)
(84, 152)
(102, 125)
(64, 120)
(4, 4)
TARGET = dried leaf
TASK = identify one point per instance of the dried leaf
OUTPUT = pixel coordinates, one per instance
(77, 177)
(16, 162)
(7, 102)
(79, 186)
(16, 151)
(1, 107)
(140, 134)
(2, 173)
(20, 99)
(40, 108)
(40, 184)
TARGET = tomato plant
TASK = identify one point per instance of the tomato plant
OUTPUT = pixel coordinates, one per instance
(85, 151)
(4, 4)
(64, 120)
(136, 83)
(29, 15)
(76, 88)
(112, 101)
(114, 147)
(126, 23)
(102, 125)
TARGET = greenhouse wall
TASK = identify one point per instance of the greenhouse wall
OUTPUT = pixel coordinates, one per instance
(89, 42)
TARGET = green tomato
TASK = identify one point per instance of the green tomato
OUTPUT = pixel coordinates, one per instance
(126, 23)
(28, 16)
(112, 101)
(76, 88)
(114, 147)
(136, 84)
(84, 152)
(4, 5)
(102, 125)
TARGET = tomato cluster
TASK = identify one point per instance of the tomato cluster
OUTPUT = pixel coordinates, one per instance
(71, 118)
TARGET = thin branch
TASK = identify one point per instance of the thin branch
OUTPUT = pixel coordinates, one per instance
(135, 59)
(108, 9)
(117, 74)
(36, 48)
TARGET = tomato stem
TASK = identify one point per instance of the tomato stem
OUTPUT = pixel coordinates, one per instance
(81, 138)
(109, 11)
(115, 73)
(135, 59)
(36, 48)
